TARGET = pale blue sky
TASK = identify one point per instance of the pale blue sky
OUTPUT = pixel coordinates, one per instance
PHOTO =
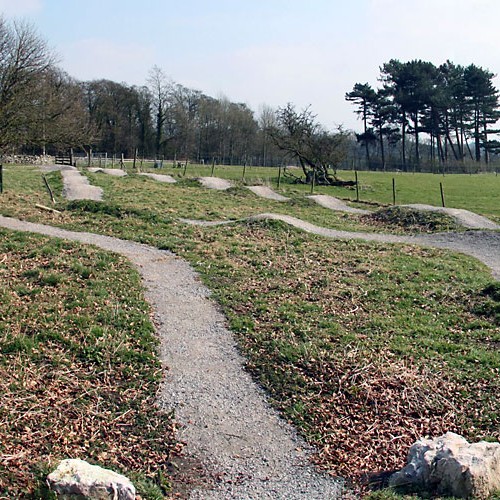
(263, 51)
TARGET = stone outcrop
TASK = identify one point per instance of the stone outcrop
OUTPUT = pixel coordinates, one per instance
(75, 478)
(449, 465)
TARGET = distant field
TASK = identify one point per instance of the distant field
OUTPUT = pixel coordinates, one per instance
(479, 192)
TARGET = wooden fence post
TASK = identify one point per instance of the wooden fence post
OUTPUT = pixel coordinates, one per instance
(357, 184)
(279, 176)
(393, 191)
(48, 189)
(244, 170)
(185, 168)
(213, 167)
(313, 180)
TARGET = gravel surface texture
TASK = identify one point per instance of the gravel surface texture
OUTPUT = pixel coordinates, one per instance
(483, 245)
(77, 186)
(335, 204)
(463, 217)
(214, 183)
(267, 192)
(160, 177)
(228, 425)
(110, 171)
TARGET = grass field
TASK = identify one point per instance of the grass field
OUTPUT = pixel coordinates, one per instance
(78, 369)
(479, 193)
(364, 347)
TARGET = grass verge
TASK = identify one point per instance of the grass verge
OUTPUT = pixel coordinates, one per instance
(78, 368)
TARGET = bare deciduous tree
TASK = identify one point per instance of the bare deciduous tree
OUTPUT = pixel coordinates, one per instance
(318, 151)
(161, 89)
(24, 57)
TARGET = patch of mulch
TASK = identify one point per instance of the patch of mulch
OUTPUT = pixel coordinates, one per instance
(410, 219)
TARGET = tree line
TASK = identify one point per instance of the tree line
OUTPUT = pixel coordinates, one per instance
(421, 111)
(45, 110)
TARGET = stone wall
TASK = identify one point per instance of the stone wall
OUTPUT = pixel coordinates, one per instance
(27, 159)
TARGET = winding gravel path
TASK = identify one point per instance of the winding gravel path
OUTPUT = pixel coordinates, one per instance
(335, 204)
(463, 217)
(215, 183)
(160, 177)
(77, 187)
(116, 172)
(228, 424)
(483, 245)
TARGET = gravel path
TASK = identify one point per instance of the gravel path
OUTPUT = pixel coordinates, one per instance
(229, 426)
(483, 245)
(215, 183)
(335, 204)
(160, 177)
(77, 187)
(117, 172)
(267, 192)
(463, 217)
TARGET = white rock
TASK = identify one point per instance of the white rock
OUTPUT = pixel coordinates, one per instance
(76, 478)
(449, 465)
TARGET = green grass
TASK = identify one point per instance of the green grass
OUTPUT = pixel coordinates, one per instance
(364, 347)
(79, 371)
(478, 192)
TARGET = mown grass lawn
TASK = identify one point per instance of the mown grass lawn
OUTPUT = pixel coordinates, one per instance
(364, 347)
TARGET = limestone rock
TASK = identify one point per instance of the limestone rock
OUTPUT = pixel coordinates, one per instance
(75, 478)
(449, 465)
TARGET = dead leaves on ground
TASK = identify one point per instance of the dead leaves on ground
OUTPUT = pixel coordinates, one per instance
(78, 372)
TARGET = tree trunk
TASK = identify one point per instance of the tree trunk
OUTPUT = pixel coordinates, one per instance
(477, 139)
(452, 147)
(403, 140)
(486, 152)
(382, 151)
(417, 149)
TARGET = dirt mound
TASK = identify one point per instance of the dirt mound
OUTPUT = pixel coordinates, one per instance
(214, 183)
(160, 177)
(110, 171)
(414, 220)
(266, 192)
(463, 217)
(335, 204)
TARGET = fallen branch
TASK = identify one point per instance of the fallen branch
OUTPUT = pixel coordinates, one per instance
(43, 207)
